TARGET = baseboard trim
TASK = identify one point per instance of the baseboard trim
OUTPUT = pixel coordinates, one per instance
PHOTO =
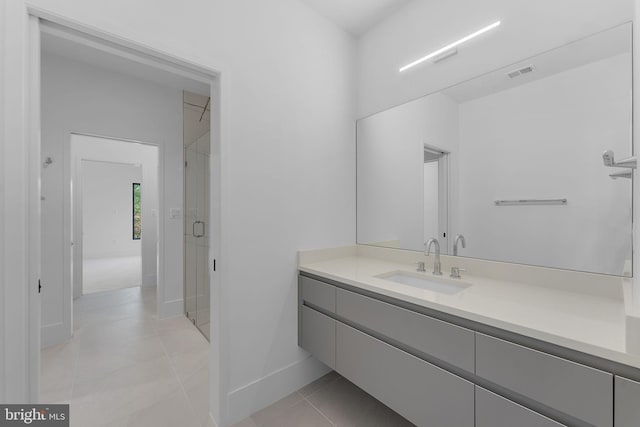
(171, 308)
(261, 393)
(53, 334)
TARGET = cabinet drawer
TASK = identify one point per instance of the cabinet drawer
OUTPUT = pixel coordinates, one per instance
(318, 335)
(318, 293)
(627, 403)
(424, 394)
(577, 390)
(444, 341)
(496, 411)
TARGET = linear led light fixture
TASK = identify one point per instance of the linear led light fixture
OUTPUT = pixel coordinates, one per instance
(451, 46)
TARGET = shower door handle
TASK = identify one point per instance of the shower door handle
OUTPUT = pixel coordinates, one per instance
(193, 229)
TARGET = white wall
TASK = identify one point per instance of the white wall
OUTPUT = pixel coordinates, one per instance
(544, 140)
(80, 98)
(288, 147)
(391, 168)
(528, 28)
(289, 183)
(107, 209)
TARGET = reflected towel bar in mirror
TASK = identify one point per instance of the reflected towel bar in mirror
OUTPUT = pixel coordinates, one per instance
(531, 202)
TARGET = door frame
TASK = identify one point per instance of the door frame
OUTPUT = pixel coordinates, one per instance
(444, 197)
(28, 381)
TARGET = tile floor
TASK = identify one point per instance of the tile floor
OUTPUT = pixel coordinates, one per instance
(107, 274)
(330, 401)
(124, 367)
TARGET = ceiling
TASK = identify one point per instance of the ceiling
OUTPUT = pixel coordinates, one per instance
(356, 16)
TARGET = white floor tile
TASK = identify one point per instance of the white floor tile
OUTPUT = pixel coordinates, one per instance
(124, 367)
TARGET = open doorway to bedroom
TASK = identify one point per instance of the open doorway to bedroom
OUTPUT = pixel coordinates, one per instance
(115, 205)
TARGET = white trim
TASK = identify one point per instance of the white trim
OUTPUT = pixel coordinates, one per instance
(219, 295)
(17, 367)
(260, 393)
(171, 308)
(35, 205)
(130, 49)
(3, 198)
(53, 334)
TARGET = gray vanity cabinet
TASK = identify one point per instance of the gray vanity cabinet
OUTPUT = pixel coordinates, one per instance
(440, 340)
(318, 336)
(437, 373)
(627, 403)
(317, 293)
(423, 393)
(496, 411)
(574, 389)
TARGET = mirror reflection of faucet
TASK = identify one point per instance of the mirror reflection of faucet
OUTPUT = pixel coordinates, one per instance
(609, 161)
(459, 238)
(455, 272)
(437, 269)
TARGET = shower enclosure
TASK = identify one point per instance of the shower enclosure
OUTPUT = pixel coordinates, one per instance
(196, 211)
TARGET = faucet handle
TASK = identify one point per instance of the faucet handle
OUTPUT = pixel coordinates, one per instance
(421, 268)
(455, 272)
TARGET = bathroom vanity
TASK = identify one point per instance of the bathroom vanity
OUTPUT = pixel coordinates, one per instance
(490, 352)
(510, 162)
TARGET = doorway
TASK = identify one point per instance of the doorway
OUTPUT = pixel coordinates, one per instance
(114, 214)
(111, 259)
(98, 47)
(436, 195)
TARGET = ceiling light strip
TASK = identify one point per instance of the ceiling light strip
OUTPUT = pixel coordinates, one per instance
(451, 46)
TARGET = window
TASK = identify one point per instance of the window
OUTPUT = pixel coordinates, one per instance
(137, 211)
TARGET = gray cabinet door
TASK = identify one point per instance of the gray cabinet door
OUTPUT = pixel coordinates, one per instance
(577, 390)
(496, 411)
(441, 340)
(424, 394)
(318, 293)
(318, 335)
(627, 403)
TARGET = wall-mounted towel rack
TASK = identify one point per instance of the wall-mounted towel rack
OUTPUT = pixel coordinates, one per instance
(531, 202)
(624, 174)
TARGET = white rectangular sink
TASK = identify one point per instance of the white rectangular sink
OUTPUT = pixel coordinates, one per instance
(425, 281)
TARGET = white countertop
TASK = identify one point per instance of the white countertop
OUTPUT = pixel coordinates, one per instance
(585, 319)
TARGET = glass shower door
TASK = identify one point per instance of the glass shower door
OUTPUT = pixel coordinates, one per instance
(196, 233)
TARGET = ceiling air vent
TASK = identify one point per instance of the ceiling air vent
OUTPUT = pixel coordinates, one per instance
(519, 72)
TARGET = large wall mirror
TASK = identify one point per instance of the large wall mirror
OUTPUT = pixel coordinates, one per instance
(512, 160)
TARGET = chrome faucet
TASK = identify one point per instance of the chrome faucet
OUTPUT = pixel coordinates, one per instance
(437, 269)
(459, 238)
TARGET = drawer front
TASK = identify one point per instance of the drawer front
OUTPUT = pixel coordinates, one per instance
(577, 390)
(318, 336)
(450, 343)
(496, 411)
(424, 394)
(318, 293)
(627, 403)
